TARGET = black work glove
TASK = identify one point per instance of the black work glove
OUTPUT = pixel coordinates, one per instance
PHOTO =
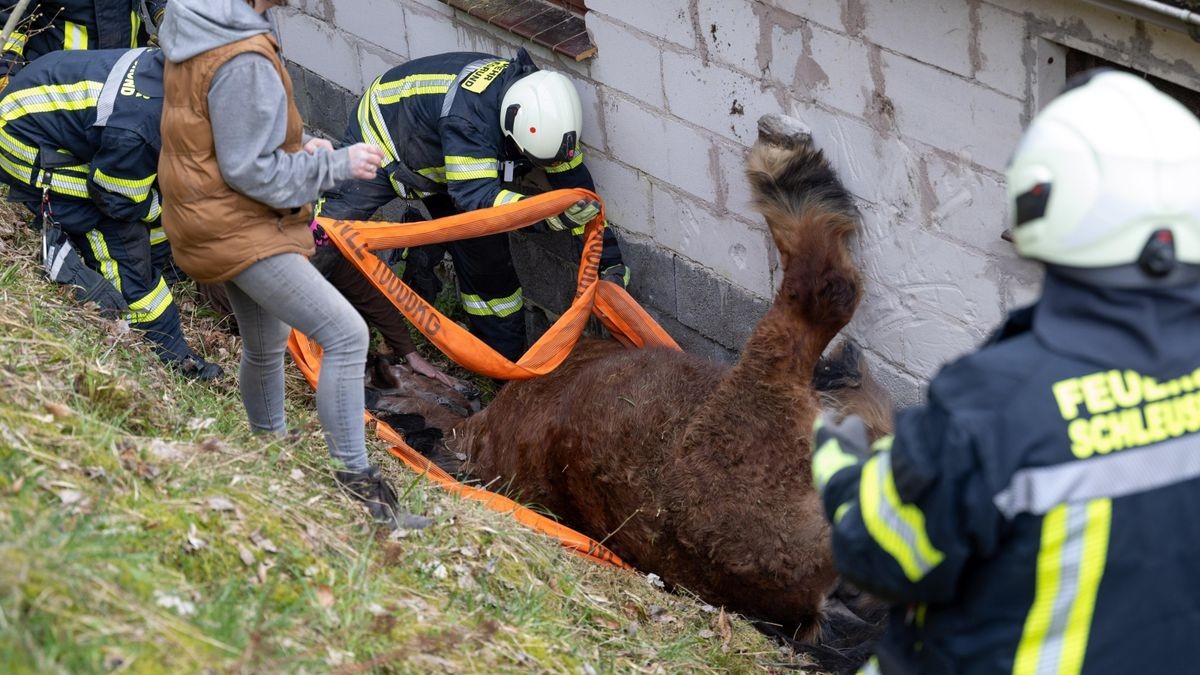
(618, 274)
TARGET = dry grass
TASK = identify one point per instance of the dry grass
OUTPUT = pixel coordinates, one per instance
(143, 528)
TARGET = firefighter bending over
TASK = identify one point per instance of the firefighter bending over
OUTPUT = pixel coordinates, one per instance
(1038, 514)
(457, 130)
(47, 27)
(79, 144)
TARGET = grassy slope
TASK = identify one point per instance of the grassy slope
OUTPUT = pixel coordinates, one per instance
(143, 528)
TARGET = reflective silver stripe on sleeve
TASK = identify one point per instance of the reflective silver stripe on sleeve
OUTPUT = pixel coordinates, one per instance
(462, 75)
(1037, 490)
(112, 85)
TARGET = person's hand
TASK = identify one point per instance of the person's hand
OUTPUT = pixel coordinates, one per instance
(583, 211)
(315, 145)
(618, 274)
(580, 213)
(365, 160)
(423, 367)
(836, 446)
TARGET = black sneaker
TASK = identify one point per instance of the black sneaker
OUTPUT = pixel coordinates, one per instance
(195, 368)
(373, 491)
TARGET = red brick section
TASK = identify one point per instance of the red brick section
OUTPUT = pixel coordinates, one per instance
(548, 25)
(577, 5)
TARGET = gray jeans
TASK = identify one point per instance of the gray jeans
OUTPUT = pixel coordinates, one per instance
(282, 292)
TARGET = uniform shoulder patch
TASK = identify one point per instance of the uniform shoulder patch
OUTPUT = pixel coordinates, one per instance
(483, 76)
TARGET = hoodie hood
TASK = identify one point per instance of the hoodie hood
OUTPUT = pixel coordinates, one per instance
(193, 27)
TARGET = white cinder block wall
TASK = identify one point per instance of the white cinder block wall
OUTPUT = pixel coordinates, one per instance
(918, 102)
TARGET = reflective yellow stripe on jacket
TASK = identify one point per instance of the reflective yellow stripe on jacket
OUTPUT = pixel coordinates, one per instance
(75, 36)
(471, 168)
(569, 164)
(380, 93)
(507, 197)
(15, 43)
(896, 527)
(157, 236)
(370, 121)
(137, 190)
(49, 98)
(1074, 549)
(135, 25)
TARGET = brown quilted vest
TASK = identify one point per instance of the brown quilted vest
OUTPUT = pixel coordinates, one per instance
(216, 232)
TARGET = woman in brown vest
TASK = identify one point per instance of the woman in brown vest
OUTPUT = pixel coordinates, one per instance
(238, 177)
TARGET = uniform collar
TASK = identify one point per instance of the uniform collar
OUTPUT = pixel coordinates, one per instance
(1153, 331)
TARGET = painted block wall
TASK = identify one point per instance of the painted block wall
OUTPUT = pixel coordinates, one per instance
(917, 102)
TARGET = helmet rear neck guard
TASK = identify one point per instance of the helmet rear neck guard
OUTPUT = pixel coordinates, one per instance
(1102, 185)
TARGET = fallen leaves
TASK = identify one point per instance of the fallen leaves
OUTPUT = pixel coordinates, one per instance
(324, 596)
(725, 625)
(200, 423)
(194, 542)
(264, 568)
(59, 411)
(173, 602)
(165, 452)
(220, 504)
(257, 538)
(71, 497)
(246, 555)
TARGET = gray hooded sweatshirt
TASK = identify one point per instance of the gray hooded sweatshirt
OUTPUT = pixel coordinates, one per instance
(248, 107)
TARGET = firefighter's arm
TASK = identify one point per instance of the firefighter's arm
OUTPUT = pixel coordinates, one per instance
(904, 512)
(574, 174)
(12, 54)
(567, 175)
(123, 178)
(472, 166)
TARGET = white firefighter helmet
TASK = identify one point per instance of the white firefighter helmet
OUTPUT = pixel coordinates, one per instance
(1104, 184)
(542, 114)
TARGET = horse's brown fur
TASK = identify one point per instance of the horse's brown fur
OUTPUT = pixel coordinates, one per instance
(688, 468)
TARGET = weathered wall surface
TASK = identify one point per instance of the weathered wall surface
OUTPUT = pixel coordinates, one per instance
(918, 102)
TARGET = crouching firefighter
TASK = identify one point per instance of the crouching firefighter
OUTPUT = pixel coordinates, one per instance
(46, 27)
(457, 130)
(79, 144)
(1037, 514)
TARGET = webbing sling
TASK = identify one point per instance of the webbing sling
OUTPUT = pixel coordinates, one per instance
(616, 309)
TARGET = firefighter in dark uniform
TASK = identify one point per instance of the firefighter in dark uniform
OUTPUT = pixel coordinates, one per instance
(1038, 514)
(76, 24)
(457, 130)
(84, 24)
(79, 144)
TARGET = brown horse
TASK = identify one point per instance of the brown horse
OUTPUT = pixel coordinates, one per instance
(695, 470)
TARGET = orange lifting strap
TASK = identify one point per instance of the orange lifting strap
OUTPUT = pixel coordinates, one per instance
(620, 313)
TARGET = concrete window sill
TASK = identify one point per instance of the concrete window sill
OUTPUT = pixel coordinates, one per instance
(554, 27)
